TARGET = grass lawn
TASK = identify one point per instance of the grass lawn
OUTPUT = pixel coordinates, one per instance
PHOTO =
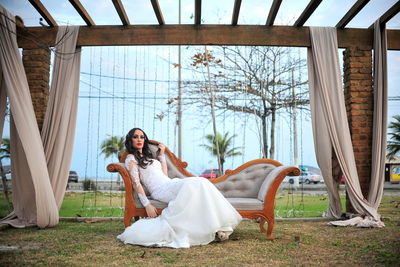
(111, 205)
(95, 244)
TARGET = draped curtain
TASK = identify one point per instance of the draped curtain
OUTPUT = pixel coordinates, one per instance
(331, 131)
(36, 194)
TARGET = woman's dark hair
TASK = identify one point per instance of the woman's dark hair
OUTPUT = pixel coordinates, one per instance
(147, 156)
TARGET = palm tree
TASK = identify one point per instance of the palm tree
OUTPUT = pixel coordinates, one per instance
(113, 145)
(4, 154)
(393, 145)
(224, 144)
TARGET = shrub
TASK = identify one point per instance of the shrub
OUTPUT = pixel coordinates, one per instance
(89, 185)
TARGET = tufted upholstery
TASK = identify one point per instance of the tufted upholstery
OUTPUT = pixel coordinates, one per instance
(247, 183)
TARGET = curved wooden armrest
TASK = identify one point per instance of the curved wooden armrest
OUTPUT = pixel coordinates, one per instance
(115, 167)
(269, 200)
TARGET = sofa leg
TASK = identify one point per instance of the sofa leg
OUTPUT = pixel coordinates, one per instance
(262, 222)
(127, 220)
(269, 230)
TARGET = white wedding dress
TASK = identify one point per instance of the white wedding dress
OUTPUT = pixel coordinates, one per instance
(196, 211)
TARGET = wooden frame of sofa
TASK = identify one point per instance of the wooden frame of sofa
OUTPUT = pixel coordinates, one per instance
(265, 215)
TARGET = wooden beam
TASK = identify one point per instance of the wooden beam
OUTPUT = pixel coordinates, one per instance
(82, 12)
(236, 10)
(307, 12)
(121, 12)
(157, 11)
(197, 12)
(202, 34)
(272, 12)
(389, 14)
(43, 12)
(354, 10)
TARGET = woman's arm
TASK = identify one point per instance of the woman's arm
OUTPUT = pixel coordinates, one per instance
(162, 159)
(137, 186)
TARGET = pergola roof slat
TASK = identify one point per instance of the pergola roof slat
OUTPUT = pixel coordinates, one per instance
(82, 12)
(121, 12)
(273, 11)
(236, 10)
(354, 10)
(389, 14)
(157, 11)
(197, 12)
(307, 12)
(43, 12)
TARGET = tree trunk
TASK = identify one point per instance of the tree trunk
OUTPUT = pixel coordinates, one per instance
(222, 166)
(294, 117)
(273, 122)
(264, 136)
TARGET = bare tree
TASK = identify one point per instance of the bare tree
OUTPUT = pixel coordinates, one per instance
(256, 80)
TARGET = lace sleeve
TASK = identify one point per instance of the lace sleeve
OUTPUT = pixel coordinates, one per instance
(131, 166)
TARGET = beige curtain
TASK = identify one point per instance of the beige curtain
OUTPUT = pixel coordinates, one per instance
(59, 124)
(380, 116)
(33, 188)
(330, 125)
(36, 196)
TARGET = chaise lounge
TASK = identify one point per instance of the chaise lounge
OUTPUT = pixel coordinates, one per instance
(250, 188)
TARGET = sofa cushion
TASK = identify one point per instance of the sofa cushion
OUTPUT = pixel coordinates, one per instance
(155, 203)
(237, 203)
(268, 181)
(246, 203)
(246, 183)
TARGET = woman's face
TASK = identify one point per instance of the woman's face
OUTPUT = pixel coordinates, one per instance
(138, 140)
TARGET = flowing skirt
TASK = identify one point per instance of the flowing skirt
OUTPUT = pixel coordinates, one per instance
(192, 218)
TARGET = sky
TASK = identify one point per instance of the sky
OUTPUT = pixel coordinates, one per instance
(145, 77)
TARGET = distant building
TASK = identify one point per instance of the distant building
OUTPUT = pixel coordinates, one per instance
(392, 170)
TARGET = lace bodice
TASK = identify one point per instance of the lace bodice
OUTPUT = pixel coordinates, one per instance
(159, 185)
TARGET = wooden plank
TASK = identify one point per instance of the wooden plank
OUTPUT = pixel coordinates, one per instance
(43, 12)
(197, 12)
(272, 12)
(157, 11)
(202, 34)
(236, 10)
(82, 12)
(121, 12)
(307, 12)
(354, 10)
(389, 14)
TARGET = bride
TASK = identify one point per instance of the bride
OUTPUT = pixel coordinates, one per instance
(196, 211)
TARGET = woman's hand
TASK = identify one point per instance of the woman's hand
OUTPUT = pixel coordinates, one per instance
(161, 146)
(151, 211)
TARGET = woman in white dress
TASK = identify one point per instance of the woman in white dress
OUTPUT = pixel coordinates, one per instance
(196, 211)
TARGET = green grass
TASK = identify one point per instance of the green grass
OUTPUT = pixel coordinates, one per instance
(95, 244)
(92, 204)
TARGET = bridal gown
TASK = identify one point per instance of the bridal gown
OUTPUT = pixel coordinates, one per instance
(196, 211)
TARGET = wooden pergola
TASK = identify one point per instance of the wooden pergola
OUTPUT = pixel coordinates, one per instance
(358, 44)
(198, 34)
